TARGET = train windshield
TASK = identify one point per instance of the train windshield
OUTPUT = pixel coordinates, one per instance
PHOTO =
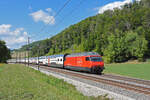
(95, 59)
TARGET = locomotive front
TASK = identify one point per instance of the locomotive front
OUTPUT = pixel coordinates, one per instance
(96, 63)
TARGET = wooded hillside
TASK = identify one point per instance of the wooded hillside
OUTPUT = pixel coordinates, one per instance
(117, 35)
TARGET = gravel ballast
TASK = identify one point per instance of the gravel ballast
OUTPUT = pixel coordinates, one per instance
(90, 88)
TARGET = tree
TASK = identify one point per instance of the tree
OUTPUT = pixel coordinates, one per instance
(137, 45)
(4, 52)
(116, 49)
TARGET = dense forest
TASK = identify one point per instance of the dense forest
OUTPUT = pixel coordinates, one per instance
(4, 52)
(118, 35)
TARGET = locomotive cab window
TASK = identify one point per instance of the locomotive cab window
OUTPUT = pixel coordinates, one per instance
(87, 59)
(96, 59)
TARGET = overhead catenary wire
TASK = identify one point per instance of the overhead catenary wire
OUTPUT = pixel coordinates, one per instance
(58, 12)
(69, 14)
(65, 4)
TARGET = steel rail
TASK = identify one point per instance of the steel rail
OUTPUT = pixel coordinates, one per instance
(126, 86)
(139, 81)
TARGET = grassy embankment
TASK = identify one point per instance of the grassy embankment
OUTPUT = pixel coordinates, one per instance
(137, 70)
(22, 83)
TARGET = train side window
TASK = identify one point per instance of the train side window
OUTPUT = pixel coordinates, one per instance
(87, 59)
(60, 59)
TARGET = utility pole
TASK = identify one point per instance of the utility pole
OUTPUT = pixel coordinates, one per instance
(38, 61)
(16, 56)
(19, 57)
(28, 49)
(25, 58)
(38, 57)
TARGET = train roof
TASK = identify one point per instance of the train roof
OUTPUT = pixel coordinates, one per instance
(83, 54)
(42, 57)
(54, 56)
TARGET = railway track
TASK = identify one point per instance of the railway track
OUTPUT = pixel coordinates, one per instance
(105, 79)
(135, 80)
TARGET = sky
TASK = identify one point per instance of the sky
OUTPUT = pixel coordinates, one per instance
(41, 19)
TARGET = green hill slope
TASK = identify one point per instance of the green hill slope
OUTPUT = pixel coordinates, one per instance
(119, 35)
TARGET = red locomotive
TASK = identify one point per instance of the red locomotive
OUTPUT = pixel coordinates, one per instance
(88, 61)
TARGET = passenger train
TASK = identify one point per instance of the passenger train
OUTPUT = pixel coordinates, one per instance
(86, 61)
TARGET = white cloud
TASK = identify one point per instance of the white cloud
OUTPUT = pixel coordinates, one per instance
(4, 28)
(17, 31)
(13, 38)
(43, 16)
(25, 33)
(111, 6)
(48, 9)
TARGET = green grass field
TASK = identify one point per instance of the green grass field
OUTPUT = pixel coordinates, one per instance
(141, 70)
(18, 82)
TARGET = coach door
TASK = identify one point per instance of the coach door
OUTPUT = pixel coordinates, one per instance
(48, 61)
